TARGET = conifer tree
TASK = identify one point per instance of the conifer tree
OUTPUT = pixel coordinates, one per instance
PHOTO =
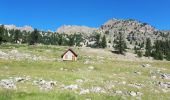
(120, 44)
(34, 36)
(148, 47)
(103, 43)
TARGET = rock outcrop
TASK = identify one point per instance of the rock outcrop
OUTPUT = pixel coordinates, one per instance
(71, 29)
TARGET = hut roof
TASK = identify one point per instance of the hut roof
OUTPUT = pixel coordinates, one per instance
(67, 51)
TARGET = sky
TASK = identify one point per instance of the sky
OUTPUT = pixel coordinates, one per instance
(51, 14)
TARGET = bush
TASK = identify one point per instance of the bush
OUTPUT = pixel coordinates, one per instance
(157, 55)
(139, 53)
(168, 56)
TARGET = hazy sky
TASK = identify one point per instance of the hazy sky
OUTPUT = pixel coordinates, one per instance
(50, 14)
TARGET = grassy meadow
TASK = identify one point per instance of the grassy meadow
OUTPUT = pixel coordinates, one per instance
(107, 72)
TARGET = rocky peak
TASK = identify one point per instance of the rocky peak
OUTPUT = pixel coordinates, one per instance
(71, 29)
(130, 25)
(24, 28)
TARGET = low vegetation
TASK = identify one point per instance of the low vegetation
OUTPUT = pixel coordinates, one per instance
(36, 72)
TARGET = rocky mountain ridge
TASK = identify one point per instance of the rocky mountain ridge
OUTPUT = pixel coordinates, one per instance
(133, 30)
(24, 28)
(71, 29)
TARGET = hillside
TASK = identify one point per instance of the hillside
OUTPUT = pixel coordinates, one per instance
(37, 73)
(133, 30)
(71, 29)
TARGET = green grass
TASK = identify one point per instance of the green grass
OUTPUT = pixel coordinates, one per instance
(110, 70)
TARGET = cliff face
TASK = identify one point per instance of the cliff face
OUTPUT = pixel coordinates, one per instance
(71, 29)
(132, 29)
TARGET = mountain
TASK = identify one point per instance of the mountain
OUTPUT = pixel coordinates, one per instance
(133, 31)
(24, 28)
(71, 29)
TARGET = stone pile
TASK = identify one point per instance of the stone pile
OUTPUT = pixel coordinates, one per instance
(45, 85)
(7, 84)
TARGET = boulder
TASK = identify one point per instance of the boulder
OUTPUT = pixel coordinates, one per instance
(45, 85)
(7, 84)
(164, 84)
(118, 92)
(165, 76)
(97, 90)
(136, 85)
(146, 65)
(132, 93)
(84, 91)
(91, 68)
(72, 87)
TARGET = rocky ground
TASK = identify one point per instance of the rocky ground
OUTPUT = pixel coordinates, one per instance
(97, 75)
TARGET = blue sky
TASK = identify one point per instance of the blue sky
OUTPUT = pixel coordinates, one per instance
(51, 14)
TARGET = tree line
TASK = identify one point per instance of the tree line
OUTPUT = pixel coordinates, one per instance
(36, 36)
(159, 50)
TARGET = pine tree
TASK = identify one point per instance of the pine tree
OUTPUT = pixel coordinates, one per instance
(120, 44)
(103, 43)
(60, 39)
(71, 40)
(78, 39)
(139, 53)
(135, 49)
(17, 35)
(168, 56)
(97, 37)
(148, 47)
(157, 53)
(1, 33)
(34, 37)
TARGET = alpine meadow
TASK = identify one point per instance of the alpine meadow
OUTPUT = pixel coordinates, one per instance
(90, 55)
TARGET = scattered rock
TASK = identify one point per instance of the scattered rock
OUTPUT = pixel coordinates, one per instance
(118, 92)
(153, 77)
(3, 53)
(139, 93)
(15, 54)
(139, 86)
(19, 79)
(139, 73)
(124, 82)
(91, 68)
(165, 76)
(45, 85)
(22, 79)
(88, 62)
(7, 84)
(146, 65)
(132, 93)
(84, 91)
(14, 51)
(97, 90)
(72, 87)
(164, 84)
(63, 69)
